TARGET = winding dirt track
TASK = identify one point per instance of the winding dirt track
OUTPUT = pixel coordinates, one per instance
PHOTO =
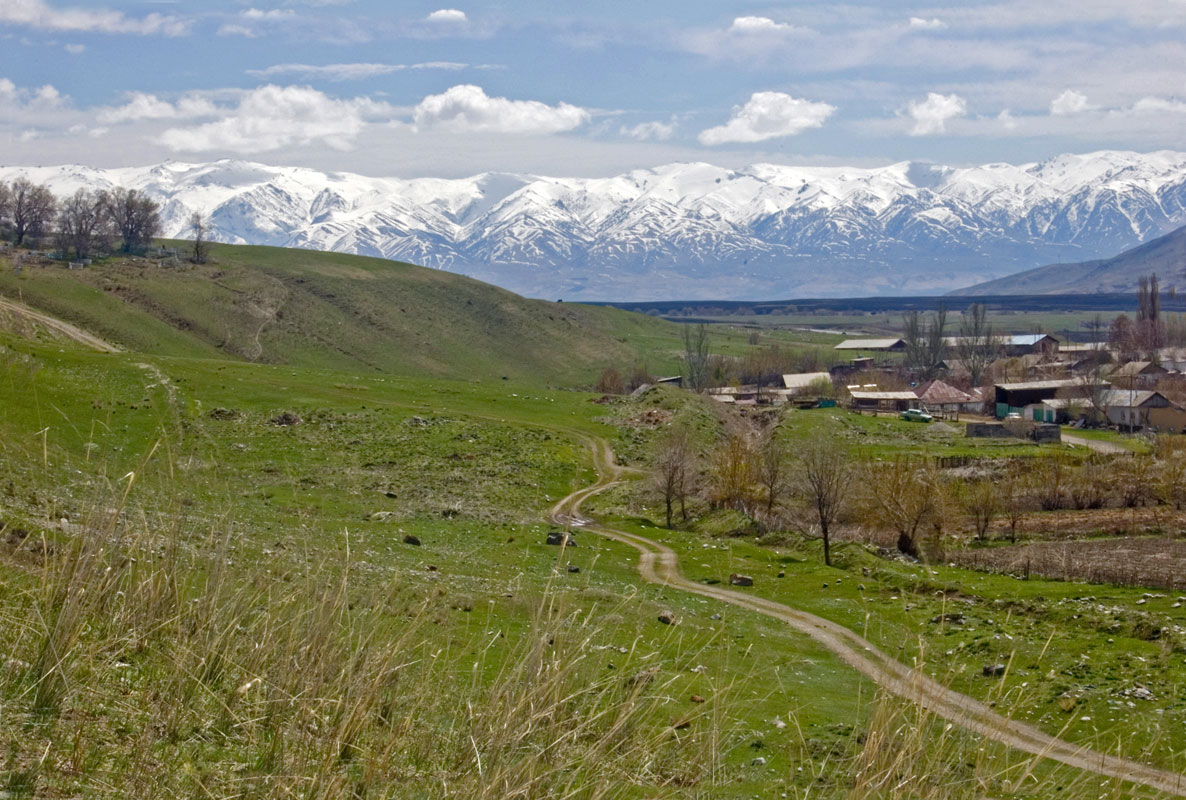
(658, 564)
(72, 332)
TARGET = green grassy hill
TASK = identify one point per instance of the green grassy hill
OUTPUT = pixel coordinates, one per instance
(314, 309)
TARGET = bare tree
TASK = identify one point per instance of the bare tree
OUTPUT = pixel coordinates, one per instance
(772, 468)
(1013, 495)
(673, 467)
(926, 345)
(696, 356)
(981, 502)
(199, 228)
(902, 496)
(135, 216)
(977, 343)
(83, 224)
(5, 203)
(733, 475)
(32, 209)
(827, 479)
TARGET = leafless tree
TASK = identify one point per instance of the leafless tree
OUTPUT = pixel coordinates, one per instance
(926, 345)
(772, 468)
(83, 224)
(5, 202)
(733, 475)
(135, 216)
(978, 344)
(902, 496)
(981, 502)
(673, 468)
(32, 209)
(827, 478)
(696, 356)
(199, 228)
(1013, 496)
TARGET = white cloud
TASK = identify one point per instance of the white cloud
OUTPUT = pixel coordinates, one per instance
(346, 72)
(273, 14)
(75, 49)
(931, 115)
(43, 98)
(273, 117)
(231, 29)
(759, 25)
(649, 131)
(932, 24)
(1007, 120)
(768, 115)
(1159, 104)
(447, 15)
(142, 106)
(39, 14)
(1070, 102)
(467, 108)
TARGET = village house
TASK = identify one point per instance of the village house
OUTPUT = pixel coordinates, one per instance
(1138, 374)
(873, 345)
(1136, 409)
(889, 402)
(1026, 398)
(947, 400)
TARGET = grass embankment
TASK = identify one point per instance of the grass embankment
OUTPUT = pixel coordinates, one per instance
(342, 312)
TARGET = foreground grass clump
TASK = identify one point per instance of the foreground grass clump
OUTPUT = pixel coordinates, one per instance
(135, 667)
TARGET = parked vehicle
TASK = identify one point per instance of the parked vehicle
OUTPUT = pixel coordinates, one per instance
(915, 415)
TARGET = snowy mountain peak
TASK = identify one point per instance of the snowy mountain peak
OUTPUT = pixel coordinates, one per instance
(691, 230)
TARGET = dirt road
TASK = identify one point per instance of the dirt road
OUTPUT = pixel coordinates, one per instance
(56, 325)
(1095, 444)
(659, 564)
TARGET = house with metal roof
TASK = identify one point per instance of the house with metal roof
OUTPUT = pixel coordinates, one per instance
(873, 345)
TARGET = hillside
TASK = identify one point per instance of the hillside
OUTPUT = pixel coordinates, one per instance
(330, 310)
(1165, 255)
(766, 230)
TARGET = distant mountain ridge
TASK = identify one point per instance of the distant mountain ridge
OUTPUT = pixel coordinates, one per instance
(689, 230)
(1165, 255)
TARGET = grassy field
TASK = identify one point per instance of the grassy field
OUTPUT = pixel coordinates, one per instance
(275, 545)
(224, 577)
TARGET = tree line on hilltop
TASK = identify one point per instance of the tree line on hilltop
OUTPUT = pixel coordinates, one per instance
(81, 225)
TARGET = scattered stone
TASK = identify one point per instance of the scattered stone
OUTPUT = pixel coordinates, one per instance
(697, 698)
(741, 580)
(950, 619)
(758, 762)
(418, 421)
(224, 414)
(778, 723)
(412, 540)
(573, 568)
(860, 587)
(994, 670)
(1137, 692)
(390, 494)
(560, 538)
(715, 616)
(825, 586)
(381, 516)
(667, 618)
(781, 574)
(287, 418)
(431, 568)
(681, 723)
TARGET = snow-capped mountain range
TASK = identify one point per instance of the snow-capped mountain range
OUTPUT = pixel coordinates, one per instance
(692, 231)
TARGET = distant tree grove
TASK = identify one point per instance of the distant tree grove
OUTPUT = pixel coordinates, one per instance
(81, 225)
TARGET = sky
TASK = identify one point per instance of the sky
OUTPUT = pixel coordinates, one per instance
(412, 89)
